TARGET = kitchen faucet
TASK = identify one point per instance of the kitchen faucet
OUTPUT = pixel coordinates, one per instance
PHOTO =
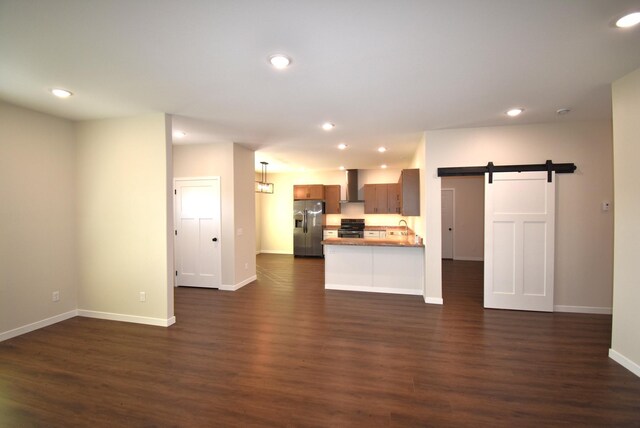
(406, 228)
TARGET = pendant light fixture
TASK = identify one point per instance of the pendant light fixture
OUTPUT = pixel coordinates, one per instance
(262, 186)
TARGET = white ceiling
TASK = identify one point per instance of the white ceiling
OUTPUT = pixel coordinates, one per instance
(382, 71)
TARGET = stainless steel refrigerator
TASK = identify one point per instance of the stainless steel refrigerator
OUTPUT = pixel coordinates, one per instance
(307, 228)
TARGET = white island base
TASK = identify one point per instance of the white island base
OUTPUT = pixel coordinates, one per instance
(378, 269)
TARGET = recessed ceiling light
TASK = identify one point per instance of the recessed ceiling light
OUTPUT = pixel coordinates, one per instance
(342, 146)
(280, 61)
(61, 93)
(179, 134)
(382, 149)
(341, 168)
(328, 126)
(383, 166)
(628, 20)
(515, 112)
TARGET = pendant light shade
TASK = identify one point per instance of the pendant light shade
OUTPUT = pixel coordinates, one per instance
(262, 186)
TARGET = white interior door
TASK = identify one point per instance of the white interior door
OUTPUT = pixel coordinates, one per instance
(448, 197)
(519, 241)
(197, 213)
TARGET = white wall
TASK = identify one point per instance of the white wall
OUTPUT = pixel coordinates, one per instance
(584, 234)
(231, 163)
(277, 209)
(417, 223)
(244, 214)
(468, 228)
(258, 220)
(625, 339)
(123, 217)
(37, 217)
(211, 160)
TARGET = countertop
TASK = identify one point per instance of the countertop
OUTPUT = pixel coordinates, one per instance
(381, 228)
(385, 242)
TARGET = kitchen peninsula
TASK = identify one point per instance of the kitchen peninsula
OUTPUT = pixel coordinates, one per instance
(385, 265)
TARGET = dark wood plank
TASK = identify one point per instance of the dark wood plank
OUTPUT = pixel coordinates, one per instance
(282, 351)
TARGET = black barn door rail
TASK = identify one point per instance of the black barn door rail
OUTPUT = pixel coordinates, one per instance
(559, 168)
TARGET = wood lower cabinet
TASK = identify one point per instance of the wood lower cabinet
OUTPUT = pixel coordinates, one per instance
(409, 189)
(308, 191)
(332, 199)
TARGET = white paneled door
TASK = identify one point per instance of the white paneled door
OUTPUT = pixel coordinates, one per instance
(447, 207)
(197, 232)
(519, 241)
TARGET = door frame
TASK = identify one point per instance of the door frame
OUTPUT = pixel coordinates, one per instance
(175, 224)
(453, 215)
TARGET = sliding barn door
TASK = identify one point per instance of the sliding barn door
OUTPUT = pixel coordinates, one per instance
(519, 241)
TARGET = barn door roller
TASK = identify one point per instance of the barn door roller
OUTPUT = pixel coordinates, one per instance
(548, 166)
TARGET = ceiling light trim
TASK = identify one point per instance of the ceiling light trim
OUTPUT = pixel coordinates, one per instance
(61, 92)
(280, 61)
(629, 20)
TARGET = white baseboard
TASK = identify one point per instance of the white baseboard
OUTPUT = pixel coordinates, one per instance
(37, 325)
(582, 309)
(373, 289)
(434, 300)
(127, 318)
(276, 252)
(238, 285)
(624, 362)
(468, 259)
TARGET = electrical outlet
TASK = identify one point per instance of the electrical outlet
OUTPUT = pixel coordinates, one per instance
(606, 205)
(239, 232)
(55, 296)
(246, 265)
(143, 296)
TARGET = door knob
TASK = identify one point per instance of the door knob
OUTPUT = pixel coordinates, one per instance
(216, 239)
(449, 228)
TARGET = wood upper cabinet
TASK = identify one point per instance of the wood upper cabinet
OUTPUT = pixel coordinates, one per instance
(409, 188)
(393, 198)
(376, 198)
(308, 191)
(332, 199)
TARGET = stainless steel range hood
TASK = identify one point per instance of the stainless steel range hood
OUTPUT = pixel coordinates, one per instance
(352, 186)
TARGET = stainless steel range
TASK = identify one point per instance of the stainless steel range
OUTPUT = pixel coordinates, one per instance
(351, 228)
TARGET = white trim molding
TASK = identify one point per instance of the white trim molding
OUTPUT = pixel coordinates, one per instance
(161, 322)
(37, 325)
(624, 362)
(434, 300)
(276, 252)
(583, 309)
(388, 290)
(239, 285)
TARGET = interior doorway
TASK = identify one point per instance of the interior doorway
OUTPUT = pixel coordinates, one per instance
(462, 212)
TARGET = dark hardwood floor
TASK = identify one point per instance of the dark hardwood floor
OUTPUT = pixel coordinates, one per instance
(282, 351)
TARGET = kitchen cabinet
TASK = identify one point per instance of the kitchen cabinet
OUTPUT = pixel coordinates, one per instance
(332, 199)
(308, 191)
(375, 234)
(409, 192)
(381, 198)
(393, 198)
(329, 233)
